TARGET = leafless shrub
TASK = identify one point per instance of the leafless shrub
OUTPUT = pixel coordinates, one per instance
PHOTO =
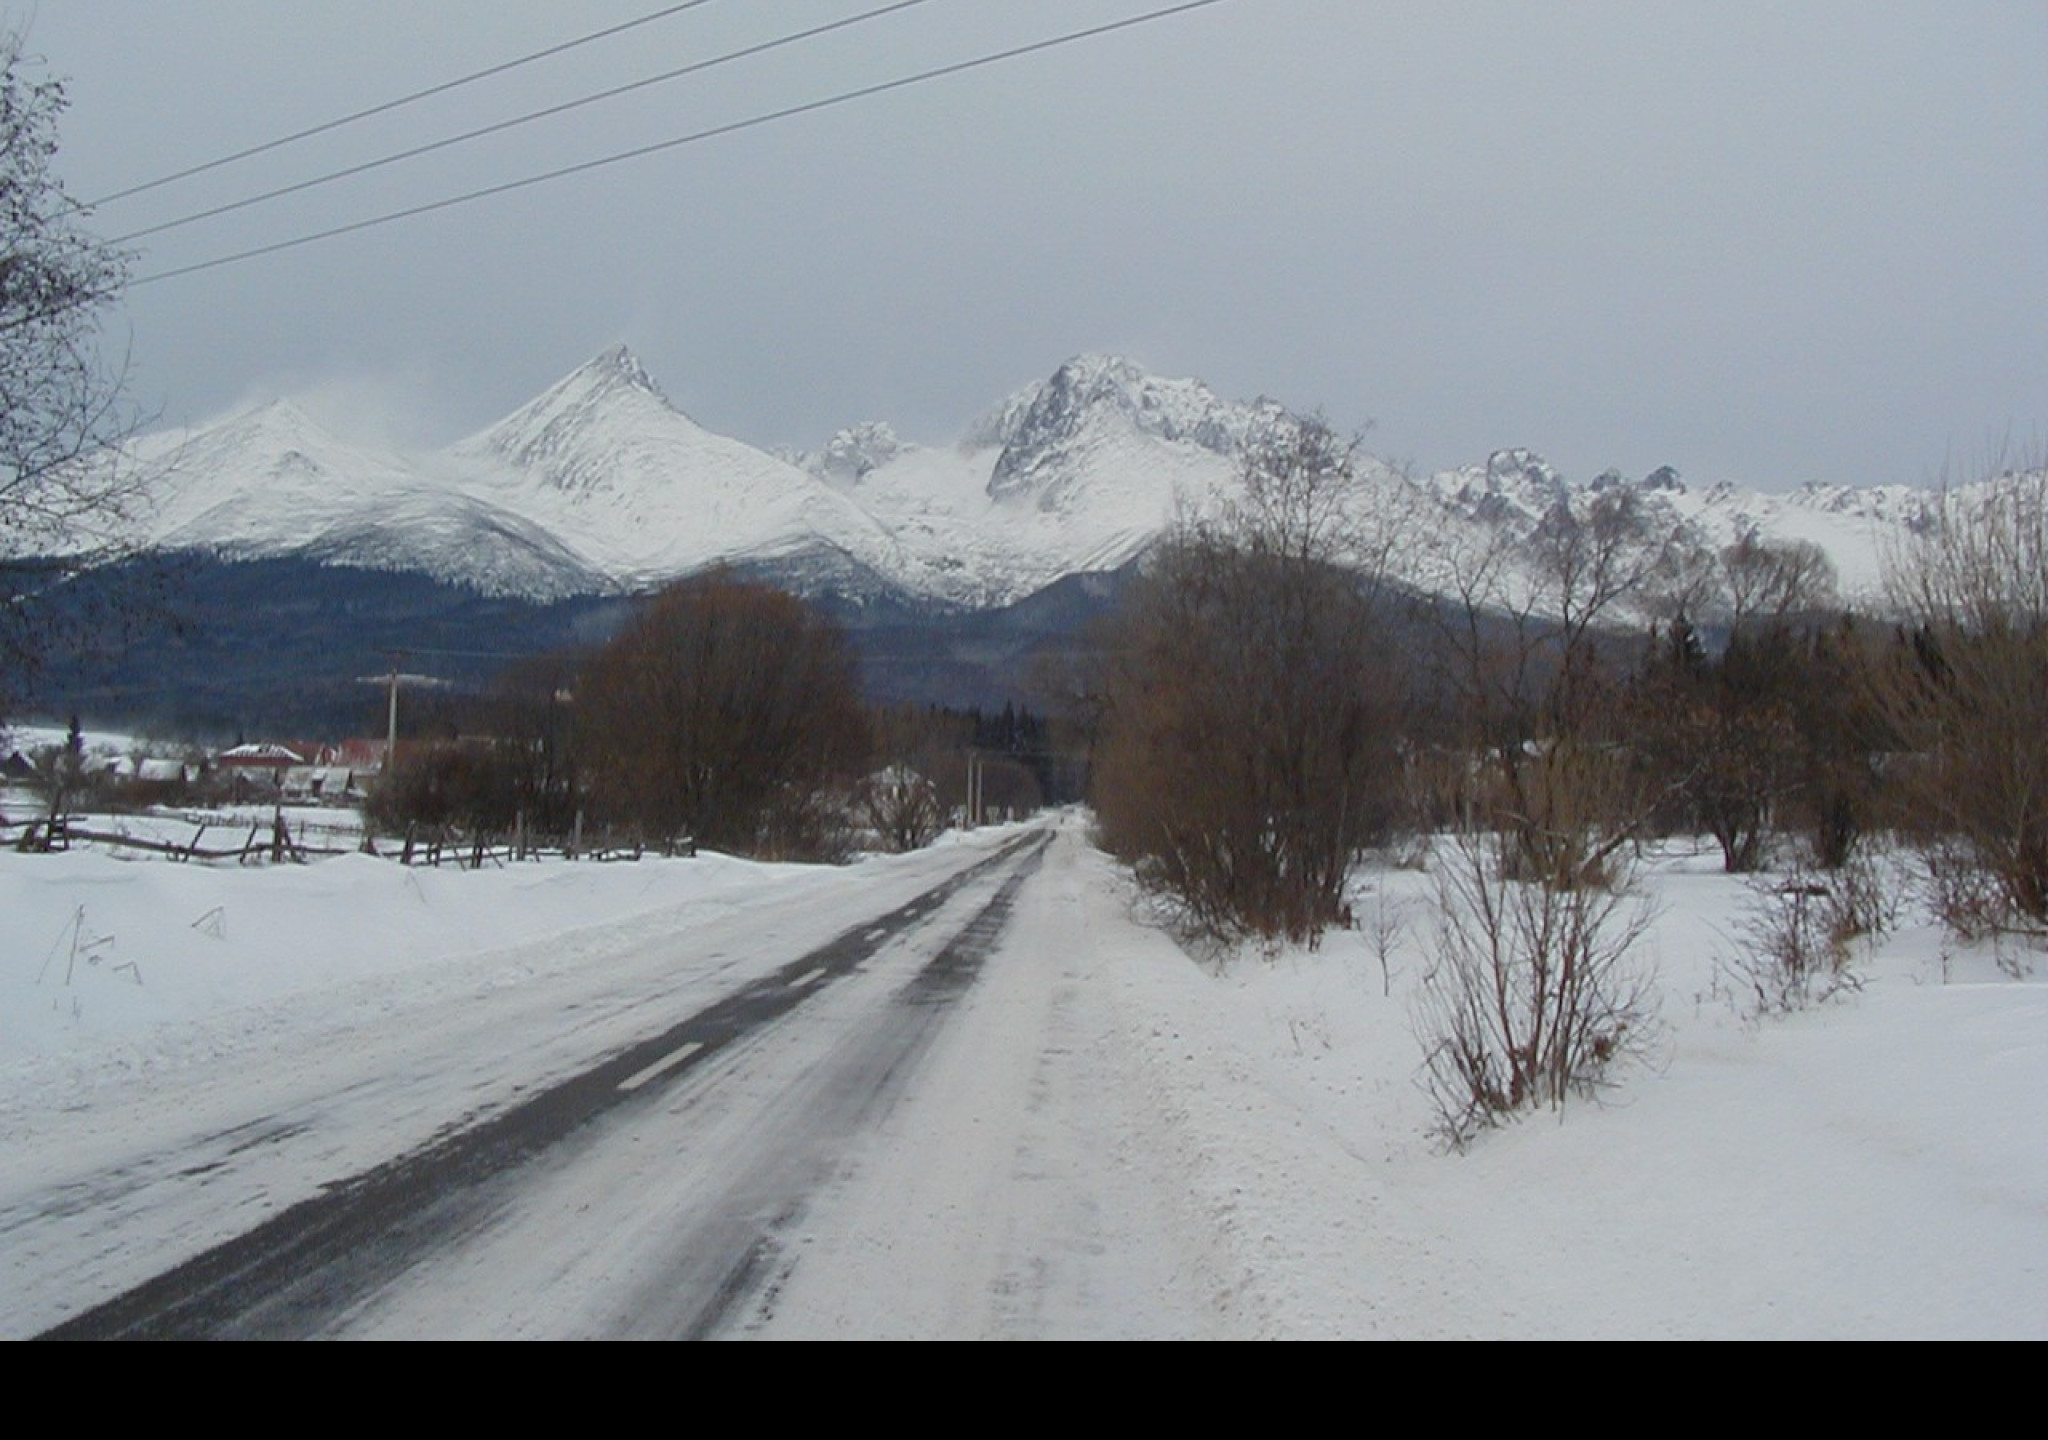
(807, 820)
(1864, 896)
(901, 806)
(1384, 927)
(1967, 897)
(1536, 994)
(473, 786)
(1797, 939)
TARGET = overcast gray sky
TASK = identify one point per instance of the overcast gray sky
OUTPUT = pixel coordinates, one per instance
(1762, 241)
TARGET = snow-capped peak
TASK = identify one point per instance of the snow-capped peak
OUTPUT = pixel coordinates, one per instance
(569, 431)
(1663, 479)
(1091, 394)
(1522, 470)
(854, 453)
(620, 366)
(648, 493)
(272, 456)
(1514, 484)
(276, 423)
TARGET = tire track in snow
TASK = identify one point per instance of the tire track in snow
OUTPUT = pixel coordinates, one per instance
(739, 1249)
(299, 1272)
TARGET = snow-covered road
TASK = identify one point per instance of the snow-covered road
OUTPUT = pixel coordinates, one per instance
(677, 1138)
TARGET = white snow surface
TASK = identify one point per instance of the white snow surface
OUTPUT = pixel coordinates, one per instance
(601, 484)
(1108, 1138)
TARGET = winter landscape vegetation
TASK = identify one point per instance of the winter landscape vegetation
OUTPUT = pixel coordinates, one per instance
(1147, 866)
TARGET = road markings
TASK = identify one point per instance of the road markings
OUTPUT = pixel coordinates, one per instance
(809, 977)
(674, 1057)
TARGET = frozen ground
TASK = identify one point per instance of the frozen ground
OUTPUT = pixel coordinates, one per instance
(1101, 1138)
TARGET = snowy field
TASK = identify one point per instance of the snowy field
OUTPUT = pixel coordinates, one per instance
(1108, 1138)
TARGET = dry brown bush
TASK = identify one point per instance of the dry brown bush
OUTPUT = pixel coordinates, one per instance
(1966, 691)
(1537, 992)
(1247, 745)
(727, 711)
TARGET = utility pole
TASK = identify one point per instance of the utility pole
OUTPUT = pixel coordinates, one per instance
(391, 738)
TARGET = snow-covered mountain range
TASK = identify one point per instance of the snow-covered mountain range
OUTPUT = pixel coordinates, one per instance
(601, 485)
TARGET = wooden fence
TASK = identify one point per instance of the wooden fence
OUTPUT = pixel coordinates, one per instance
(434, 845)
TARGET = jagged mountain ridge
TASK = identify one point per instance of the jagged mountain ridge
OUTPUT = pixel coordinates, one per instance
(602, 485)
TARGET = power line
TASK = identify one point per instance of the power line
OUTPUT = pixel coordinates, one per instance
(808, 107)
(518, 120)
(441, 89)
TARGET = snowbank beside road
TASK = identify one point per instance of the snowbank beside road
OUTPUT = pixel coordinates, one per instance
(1874, 1167)
(103, 948)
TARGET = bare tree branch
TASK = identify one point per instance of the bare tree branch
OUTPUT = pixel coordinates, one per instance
(66, 500)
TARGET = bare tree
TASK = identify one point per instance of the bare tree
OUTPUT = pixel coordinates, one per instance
(64, 506)
(728, 712)
(1967, 689)
(1756, 733)
(1521, 672)
(1715, 736)
(1248, 743)
(1771, 583)
(1302, 501)
(1586, 566)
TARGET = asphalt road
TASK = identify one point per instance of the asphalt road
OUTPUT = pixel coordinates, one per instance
(754, 1097)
